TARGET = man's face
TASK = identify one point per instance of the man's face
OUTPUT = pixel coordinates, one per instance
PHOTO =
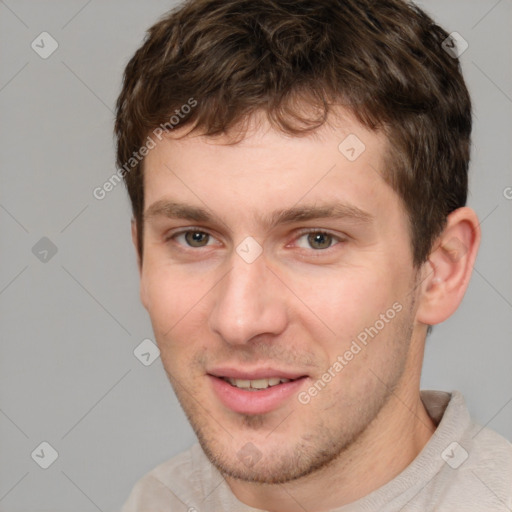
(334, 278)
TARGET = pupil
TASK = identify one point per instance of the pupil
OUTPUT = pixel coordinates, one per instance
(196, 238)
(319, 240)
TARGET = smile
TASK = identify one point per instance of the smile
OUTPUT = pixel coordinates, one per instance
(257, 395)
(257, 384)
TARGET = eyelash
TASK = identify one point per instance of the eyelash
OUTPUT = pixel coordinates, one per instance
(174, 235)
(337, 239)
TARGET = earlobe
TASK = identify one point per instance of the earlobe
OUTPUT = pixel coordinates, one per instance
(447, 272)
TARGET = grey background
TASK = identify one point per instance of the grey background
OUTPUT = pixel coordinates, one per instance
(69, 325)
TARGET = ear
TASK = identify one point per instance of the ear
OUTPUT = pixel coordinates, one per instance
(447, 272)
(143, 297)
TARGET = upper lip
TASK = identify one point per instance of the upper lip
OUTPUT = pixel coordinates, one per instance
(257, 373)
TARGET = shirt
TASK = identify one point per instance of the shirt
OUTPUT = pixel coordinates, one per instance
(463, 467)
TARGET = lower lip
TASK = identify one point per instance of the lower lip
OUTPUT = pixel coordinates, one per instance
(254, 402)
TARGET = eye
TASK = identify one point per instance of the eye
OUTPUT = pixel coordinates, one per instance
(317, 240)
(193, 238)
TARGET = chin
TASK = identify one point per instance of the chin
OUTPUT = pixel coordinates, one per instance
(268, 461)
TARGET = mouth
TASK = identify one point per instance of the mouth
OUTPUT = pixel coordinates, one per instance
(255, 392)
(256, 384)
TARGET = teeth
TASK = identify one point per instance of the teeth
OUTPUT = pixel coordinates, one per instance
(260, 383)
(257, 383)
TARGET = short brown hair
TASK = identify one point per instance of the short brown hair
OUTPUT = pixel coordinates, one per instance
(381, 59)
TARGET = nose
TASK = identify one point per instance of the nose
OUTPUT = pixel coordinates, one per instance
(248, 302)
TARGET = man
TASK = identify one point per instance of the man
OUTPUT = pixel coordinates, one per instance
(298, 177)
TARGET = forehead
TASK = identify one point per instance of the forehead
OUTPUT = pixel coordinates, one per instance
(341, 133)
(265, 169)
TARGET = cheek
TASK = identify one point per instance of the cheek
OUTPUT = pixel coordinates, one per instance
(349, 299)
(172, 299)
(170, 305)
(359, 307)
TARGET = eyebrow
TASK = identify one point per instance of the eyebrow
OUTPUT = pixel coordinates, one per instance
(175, 210)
